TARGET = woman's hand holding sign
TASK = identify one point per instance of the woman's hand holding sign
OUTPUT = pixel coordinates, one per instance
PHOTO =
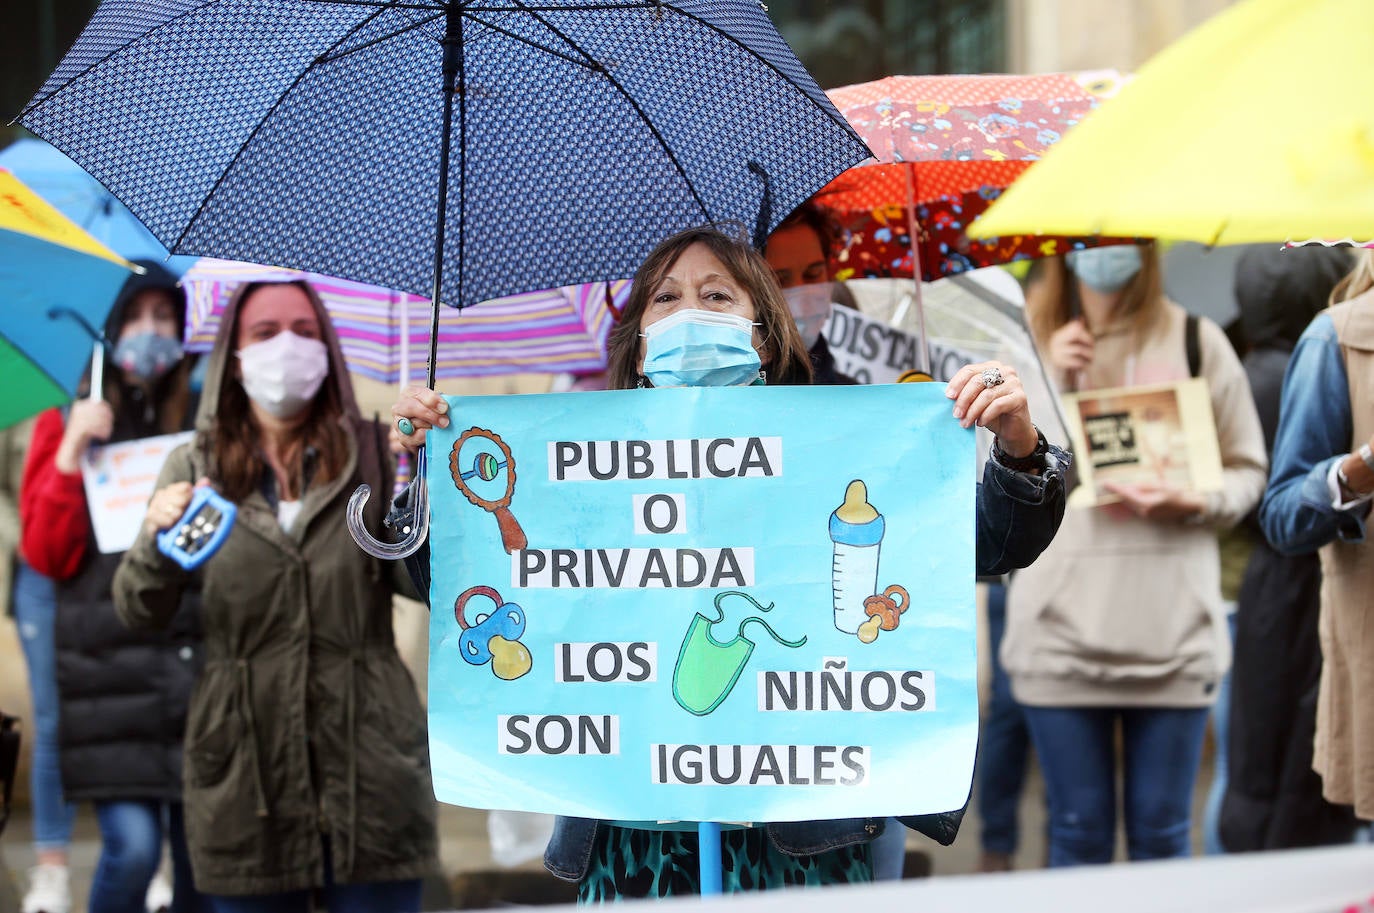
(418, 410)
(990, 395)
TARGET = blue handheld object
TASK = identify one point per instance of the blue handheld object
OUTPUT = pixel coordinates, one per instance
(201, 530)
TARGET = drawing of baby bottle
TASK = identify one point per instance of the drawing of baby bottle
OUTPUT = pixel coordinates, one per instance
(856, 529)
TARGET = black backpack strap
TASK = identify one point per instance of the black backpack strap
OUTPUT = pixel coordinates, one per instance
(1192, 345)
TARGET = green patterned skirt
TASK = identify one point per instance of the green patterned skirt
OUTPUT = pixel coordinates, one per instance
(633, 862)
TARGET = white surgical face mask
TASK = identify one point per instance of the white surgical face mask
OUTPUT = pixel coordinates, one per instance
(810, 306)
(283, 374)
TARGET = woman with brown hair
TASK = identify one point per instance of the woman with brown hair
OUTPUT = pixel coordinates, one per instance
(1121, 619)
(307, 762)
(121, 695)
(706, 310)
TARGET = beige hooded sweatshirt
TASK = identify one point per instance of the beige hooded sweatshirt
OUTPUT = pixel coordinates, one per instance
(1121, 611)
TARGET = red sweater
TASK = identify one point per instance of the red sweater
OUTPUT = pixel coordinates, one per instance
(55, 525)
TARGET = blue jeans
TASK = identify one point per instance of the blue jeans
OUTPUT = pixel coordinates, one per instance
(889, 852)
(1221, 734)
(35, 607)
(1077, 751)
(130, 849)
(1003, 744)
(366, 897)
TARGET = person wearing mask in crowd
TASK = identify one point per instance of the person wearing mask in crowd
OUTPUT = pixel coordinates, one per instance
(32, 599)
(705, 273)
(1318, 501)
(1272, 797)
(1120, 621)
(798, 252)
(307, 757)
(122, 695)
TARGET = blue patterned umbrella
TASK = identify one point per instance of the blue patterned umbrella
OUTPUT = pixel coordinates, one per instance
(562, 138)
(315, 134)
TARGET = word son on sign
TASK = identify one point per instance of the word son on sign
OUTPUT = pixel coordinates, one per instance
(743, 604)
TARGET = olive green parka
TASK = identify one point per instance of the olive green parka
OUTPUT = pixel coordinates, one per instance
(304, 725)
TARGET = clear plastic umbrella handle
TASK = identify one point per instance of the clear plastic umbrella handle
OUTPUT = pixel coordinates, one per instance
(412, 522)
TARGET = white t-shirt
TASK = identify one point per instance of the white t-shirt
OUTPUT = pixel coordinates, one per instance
(287, 512)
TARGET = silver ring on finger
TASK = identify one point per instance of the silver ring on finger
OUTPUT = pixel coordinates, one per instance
(992, 377)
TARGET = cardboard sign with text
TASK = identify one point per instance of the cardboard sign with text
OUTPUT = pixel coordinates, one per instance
(1162, 434)
(119, 480)
(737, 604)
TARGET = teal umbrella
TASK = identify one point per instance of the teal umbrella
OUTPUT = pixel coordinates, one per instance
(57, 285)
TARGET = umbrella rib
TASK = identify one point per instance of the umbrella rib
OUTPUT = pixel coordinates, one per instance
(34, 106)
(330, 57)
(205, 200)
(581, 8)
(644, 118)
(382, 4)
(262, 121)
(593, 65)
(835, 116)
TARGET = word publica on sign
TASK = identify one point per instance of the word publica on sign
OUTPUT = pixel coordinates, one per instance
(761, 765)
(695, 458)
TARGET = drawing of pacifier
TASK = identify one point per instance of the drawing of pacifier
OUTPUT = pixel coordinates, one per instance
(707, 669)
(495, 638)
(476, 469)
(884, 612)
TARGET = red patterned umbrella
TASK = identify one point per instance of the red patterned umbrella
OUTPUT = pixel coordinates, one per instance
(947, 146)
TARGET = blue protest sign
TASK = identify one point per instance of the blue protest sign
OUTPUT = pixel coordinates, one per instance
(704, 604)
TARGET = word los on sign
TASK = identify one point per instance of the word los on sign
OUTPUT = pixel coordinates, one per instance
(761, 765)
(606, 661)
(695, 458)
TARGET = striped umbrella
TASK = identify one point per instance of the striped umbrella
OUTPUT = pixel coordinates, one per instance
(558, 330)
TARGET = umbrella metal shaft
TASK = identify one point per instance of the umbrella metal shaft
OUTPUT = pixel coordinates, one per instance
(453, 85)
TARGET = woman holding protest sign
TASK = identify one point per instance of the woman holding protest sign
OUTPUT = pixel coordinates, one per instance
(1121, 620)
(741, 334)
(122, 695)
(307, 765)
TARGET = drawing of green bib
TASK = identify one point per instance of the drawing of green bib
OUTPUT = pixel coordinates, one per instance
(707, 669)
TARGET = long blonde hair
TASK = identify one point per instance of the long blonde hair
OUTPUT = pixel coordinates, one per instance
(1358, 281)
(1052, 295)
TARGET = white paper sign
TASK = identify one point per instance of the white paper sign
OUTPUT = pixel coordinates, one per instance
(119, 480)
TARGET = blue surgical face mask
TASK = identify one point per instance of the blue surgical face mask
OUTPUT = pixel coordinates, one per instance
(697, 348)
(1106, 269)
(147, 356)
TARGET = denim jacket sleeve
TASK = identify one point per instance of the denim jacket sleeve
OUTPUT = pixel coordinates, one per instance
(1018, 513)
(1314, 432)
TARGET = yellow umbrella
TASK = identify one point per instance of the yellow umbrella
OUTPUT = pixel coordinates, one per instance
(1257, 126)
